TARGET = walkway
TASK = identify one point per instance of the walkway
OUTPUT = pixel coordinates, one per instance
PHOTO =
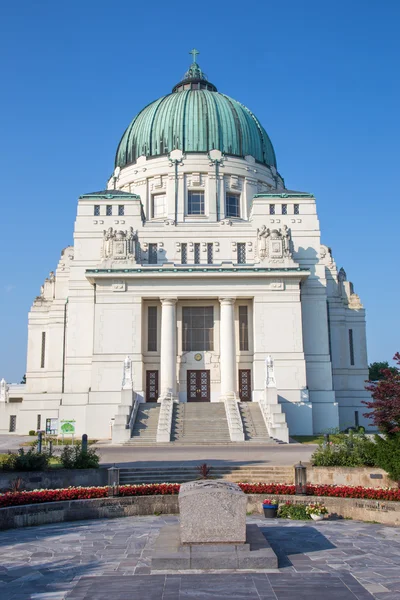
(99, 560)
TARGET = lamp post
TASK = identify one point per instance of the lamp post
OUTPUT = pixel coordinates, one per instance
(113, 481)
(300, 479)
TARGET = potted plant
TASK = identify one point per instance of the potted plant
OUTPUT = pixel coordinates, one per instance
(270, 509)
(316, 511)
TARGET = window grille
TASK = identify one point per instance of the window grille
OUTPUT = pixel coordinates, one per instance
(272, 209)
(210, 254)
(297, 209)
(43, 350)
(243, 328)
(184, 254)
(152, 329)
(38, 422)
(197, 254)
(241, 253)
(96, 210)
(109, 210)
(121, 210)
(284, 209)
(13, 423)
(351, 347)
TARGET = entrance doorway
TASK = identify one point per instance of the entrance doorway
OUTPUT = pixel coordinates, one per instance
(198, 386)
(151, 386)
(245, 385)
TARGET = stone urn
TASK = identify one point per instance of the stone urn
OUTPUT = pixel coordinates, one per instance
(317, 517)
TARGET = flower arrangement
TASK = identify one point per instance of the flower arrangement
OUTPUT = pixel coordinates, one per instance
(317, 508)
(16, 498)
(267, 502)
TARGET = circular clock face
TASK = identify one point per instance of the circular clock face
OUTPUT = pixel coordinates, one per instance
(198, 356)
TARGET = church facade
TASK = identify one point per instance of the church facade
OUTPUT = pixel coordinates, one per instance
(196, 276)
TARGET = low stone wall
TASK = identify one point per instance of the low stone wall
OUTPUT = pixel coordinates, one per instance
(54, 478)
(387, 513)
(353, 476)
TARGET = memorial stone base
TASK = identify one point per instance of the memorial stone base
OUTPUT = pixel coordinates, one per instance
(212, 534)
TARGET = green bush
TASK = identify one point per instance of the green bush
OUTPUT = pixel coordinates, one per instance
(73, 457)
(293, 511)
(28, 460)
(348, 450)
(32, 432)
(388, 455)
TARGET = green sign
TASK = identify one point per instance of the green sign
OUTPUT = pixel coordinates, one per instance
(68, 427)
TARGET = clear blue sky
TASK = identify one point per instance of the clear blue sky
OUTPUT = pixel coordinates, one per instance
(322, 77)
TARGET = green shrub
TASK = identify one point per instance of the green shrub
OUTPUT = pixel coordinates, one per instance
(293, 511)
(73, 457)
(347, 450)
(29, 460)
(32, 432)
(388, 455)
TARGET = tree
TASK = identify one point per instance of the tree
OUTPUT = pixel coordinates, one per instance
(376, 370)
(385, 407)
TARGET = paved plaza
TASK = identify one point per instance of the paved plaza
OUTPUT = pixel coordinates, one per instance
(96, 560)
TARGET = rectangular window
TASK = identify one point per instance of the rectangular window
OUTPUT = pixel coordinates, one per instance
(96, 211)
(152, 254)
(232, 205)
(158, 206)
(296, 209)
(243, 328)
(197, 254)
(272, 209)
(152, 329)
(43, 350)
(184, 254)
(284, 209)
(210, 254)
(197, 328)
(13, 423)
(38, 422)
(121, 210)
(351, 347)
(195, 203)
(241, 253)
(109, 210)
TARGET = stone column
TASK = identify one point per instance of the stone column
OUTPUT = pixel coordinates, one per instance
(227, 346)
(168, 346)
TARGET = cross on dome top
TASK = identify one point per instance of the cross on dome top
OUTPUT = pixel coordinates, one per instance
(194, 53)
(194, 78)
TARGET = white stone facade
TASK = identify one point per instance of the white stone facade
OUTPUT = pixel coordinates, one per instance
(92, 312)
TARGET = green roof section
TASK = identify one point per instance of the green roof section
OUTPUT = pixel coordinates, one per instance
(286, 194)
(110, 194)
(195, 117)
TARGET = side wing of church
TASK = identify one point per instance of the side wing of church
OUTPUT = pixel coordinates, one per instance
(197, 279)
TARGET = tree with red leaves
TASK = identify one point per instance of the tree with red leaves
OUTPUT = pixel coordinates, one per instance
(385, 414)
(385, 406)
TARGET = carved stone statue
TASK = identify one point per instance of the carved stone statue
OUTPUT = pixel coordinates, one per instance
(269, 372)
(342, 275)
(118, 244)
(3, 390)
(274, 244)
(263, 235)
(127, 380)
(285, 233)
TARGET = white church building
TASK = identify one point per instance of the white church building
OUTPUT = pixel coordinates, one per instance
(197, 295)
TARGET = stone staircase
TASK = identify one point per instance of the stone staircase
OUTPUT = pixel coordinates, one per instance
(242, 473)
(200, 422)
(254, 426)
(145, 427)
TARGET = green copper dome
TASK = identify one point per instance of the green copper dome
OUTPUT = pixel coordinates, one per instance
(195, 117)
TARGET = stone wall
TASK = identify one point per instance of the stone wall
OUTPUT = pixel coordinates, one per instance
(54, 478)
(353, 476)
(387, 513)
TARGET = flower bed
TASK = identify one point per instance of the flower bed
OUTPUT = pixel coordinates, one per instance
(163, 489)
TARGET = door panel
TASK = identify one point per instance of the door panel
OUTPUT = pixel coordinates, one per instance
(151, 386)
(245, 385)
(198, 386)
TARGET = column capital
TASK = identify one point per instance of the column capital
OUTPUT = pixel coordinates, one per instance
(227, 300)
(168, 301)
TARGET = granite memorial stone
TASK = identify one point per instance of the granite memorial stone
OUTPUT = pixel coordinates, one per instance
(212, 512)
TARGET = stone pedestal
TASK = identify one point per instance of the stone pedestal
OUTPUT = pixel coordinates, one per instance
(212, 533)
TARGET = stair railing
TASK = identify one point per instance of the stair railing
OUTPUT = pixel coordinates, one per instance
(165, 418)
(134, 412)
(234, 418)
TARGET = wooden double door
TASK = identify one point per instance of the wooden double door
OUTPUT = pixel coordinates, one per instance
(198, 386)
(151, 386)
